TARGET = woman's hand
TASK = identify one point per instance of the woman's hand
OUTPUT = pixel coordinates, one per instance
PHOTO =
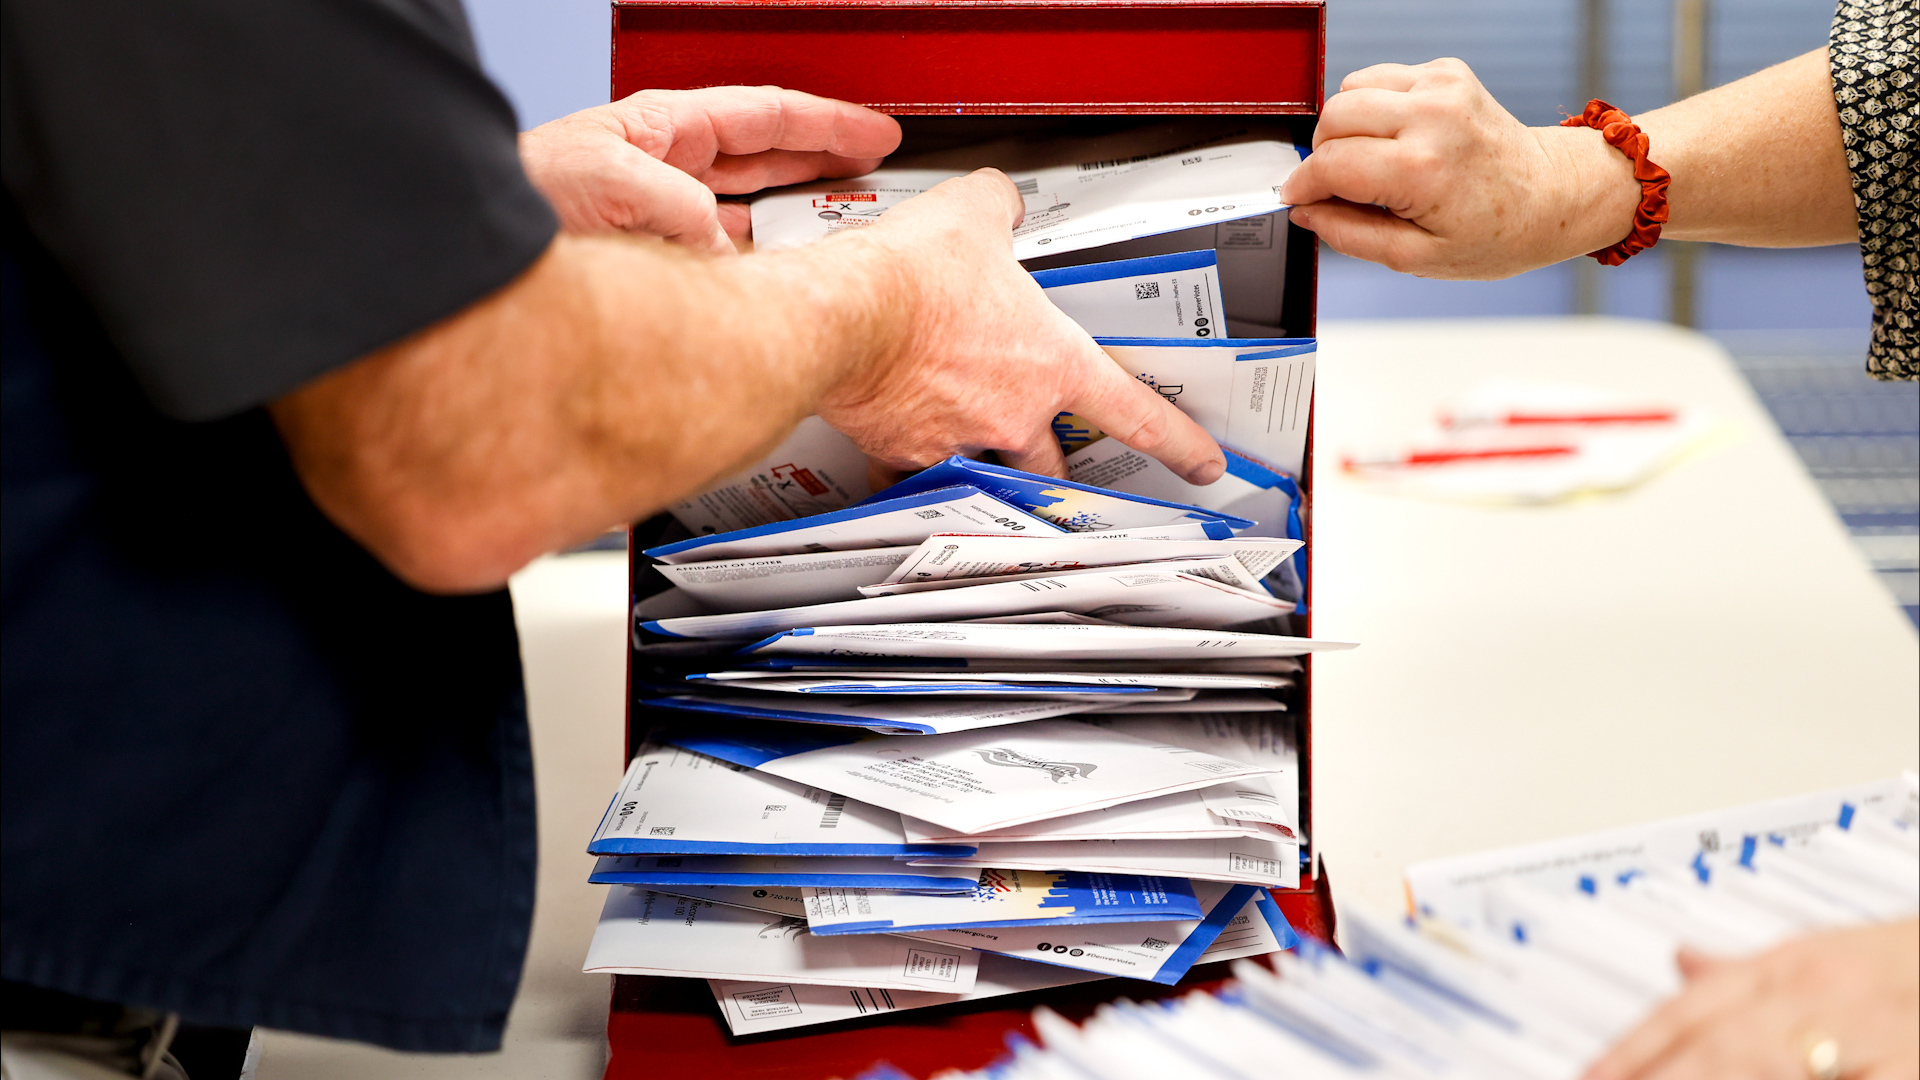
(652, 162)
(1421, 170)
(1759, 1018)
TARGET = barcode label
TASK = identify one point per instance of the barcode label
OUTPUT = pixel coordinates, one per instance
(1029, 186)
(1114, 163)
(836, 804)
(1146, 290)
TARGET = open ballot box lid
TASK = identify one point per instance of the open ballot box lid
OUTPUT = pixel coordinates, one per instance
(958, 72)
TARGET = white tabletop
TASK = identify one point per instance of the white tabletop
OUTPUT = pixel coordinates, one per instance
(1707, 639)
(1710, 638)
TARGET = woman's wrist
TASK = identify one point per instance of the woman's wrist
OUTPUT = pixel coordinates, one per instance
(1593, 192)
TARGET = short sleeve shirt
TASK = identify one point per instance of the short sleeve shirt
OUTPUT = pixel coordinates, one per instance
(1874, 51)
(249, 776)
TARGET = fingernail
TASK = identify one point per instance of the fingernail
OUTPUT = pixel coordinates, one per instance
(1208, 472)
(1299, 216)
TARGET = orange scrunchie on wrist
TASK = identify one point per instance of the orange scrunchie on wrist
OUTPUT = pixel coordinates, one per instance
(1625, 136)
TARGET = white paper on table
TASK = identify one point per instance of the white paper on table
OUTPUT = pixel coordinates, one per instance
(676, 802)
(894, 686)
(1160, 296)
(1500, 443)
(648, 933)
(1075, 205)
(816, 469)
(755, 1008)
(816, 577)
(945, 556)
(1210, 701)
(902, 522)
(1183, 816)
(1263, 737)
(1177, 596)
(1158, 952)
(1273, 863)
(1226, 570)
(771, 900)
(1189, 680)
(897, 715)
(1255, 399)
(974, 640)
(974, 781)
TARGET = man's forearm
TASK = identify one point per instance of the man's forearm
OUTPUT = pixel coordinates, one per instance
(610, 380)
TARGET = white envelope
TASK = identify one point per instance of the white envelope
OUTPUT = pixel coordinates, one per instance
(771, 900)
(1256, 400)
(780, 872)
(901, 522)
(676, 802)
(1011, 686)
(818, 577)
(649, 933)
(1054, 642)
(1207, 701)
(944, 556)
(1274, 863)
(1003, 899)
(760, 680)
(1263, 737)
(815, 470)
(1183, 816)
(974, 781)
(1133, 596)
(1069, 207)
(1171, 296)
(752, 1008)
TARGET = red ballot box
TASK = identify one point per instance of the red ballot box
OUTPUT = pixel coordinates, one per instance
(958, 71)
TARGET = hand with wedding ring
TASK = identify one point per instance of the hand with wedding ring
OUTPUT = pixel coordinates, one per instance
(1841, 1004)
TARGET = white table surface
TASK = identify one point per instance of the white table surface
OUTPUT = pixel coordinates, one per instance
(1710, 638)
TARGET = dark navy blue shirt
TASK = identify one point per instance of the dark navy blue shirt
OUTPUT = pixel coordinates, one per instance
(249, 776)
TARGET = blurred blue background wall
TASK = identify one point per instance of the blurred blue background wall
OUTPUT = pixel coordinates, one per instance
(1795, 321)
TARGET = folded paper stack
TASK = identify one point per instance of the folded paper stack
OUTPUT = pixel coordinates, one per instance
(1523, 963)
(986, 731)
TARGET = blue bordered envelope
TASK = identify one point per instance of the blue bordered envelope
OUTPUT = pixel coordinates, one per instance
(1073, 506)
(1006, 899)
(1160, 952)
(770, 871)
(1160, 296)
(890, 714)
(677, 802)
(885, 520)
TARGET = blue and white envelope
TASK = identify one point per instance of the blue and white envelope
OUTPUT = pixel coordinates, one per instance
(1005, 899)
(676, 802)
(1253, 395)
(884, 520)
(1161, 296)
(972, 781)
(770, 871)
(1160, 952)
(649, 933)
(1027, 642)
(1072, 506)
(890, 714)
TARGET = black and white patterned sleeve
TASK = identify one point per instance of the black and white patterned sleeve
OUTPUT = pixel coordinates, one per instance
(1875, 55)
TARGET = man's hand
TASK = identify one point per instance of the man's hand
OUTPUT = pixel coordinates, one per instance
(1421, 170)
(985, 361)
(1758, 1017)
(651, 163)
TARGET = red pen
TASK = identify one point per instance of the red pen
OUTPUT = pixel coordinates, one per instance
(1649, 416)
(1447, 457)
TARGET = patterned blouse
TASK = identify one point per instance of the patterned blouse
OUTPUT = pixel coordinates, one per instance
(1875, 54)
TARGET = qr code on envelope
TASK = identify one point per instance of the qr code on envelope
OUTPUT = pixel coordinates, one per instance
(1146, 290)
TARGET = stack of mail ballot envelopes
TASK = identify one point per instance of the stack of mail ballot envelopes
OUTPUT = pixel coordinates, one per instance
(1523, 964)
(983, 731)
